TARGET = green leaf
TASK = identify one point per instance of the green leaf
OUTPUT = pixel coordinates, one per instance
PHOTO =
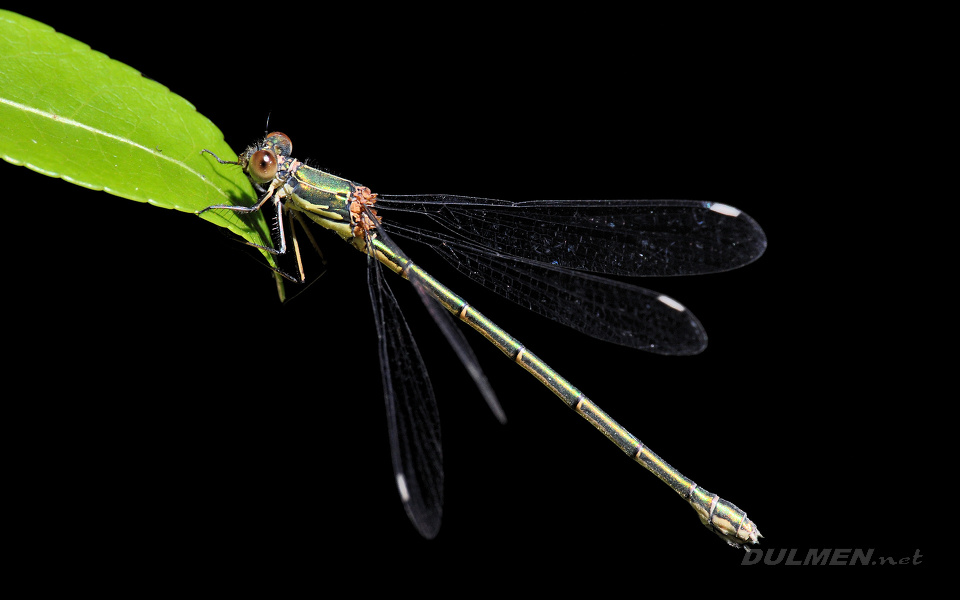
(68, 111)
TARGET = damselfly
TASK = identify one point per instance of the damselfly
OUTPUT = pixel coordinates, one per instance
(540, 254)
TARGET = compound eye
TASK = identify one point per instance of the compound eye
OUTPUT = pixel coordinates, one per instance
(281, 143)
(262, 166)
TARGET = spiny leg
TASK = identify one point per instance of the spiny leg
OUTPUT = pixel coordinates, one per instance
(306, 229)
(296, 246)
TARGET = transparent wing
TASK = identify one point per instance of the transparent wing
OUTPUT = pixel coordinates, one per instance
(461, 347)
(602, 308)
(413, 422)
(619, 237)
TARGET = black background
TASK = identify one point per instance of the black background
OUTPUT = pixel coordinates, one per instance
(178, 421)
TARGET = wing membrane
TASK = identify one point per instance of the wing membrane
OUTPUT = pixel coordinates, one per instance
(413, 422)
(618, 237)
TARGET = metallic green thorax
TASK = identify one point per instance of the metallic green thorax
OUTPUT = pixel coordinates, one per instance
(324, 198)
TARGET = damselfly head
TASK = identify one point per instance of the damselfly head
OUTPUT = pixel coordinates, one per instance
(261, 161)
